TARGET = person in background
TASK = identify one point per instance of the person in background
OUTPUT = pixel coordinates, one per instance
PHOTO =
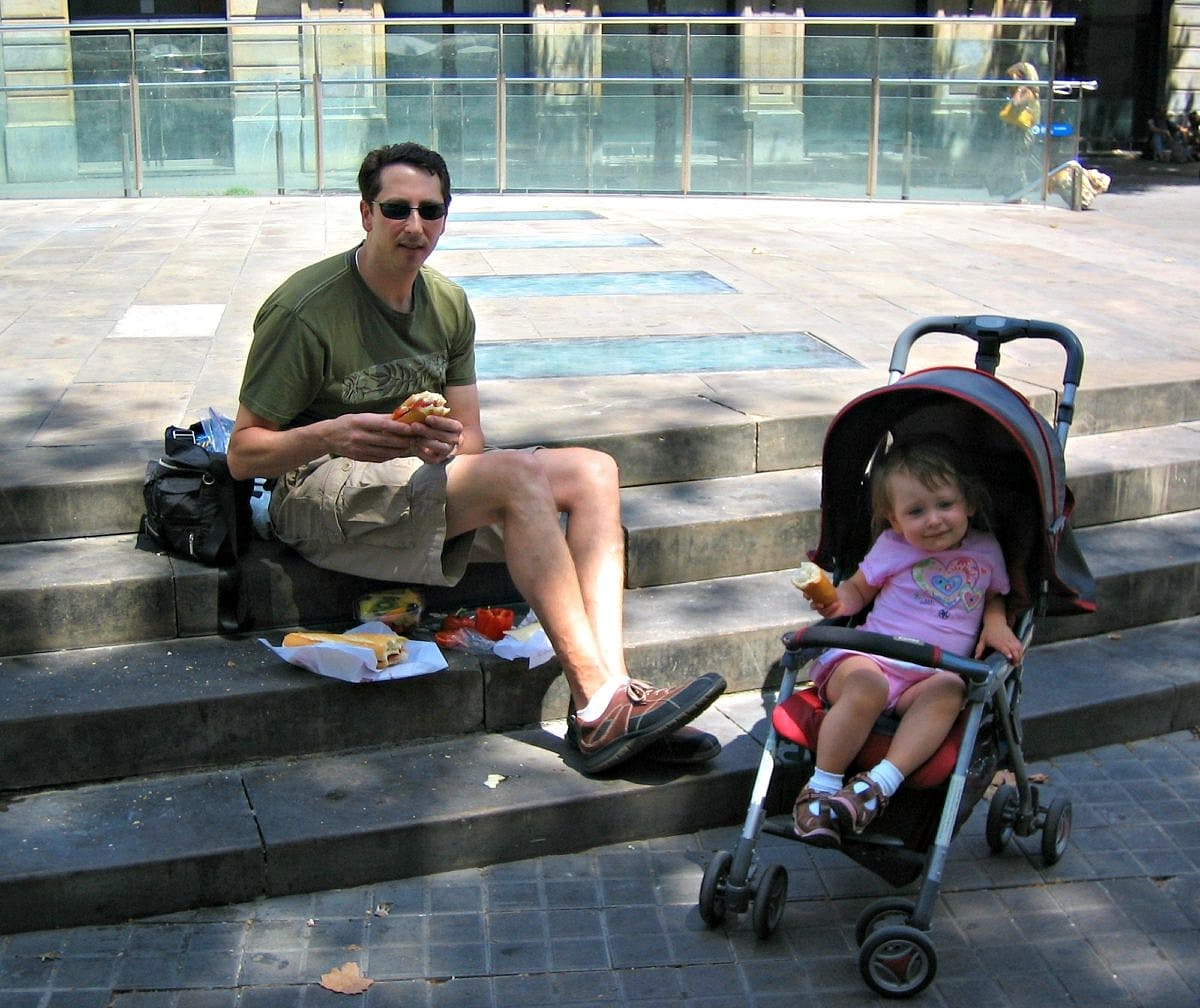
(1018, 161)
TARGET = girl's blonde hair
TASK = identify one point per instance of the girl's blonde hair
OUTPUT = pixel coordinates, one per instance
(930, 462)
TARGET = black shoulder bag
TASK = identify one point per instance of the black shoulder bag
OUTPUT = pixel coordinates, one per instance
(196, 510)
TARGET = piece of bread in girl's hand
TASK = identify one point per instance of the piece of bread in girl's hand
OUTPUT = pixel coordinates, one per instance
(420, 405)
(815, 584)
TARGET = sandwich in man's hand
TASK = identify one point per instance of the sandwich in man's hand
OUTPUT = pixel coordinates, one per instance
(420, 405)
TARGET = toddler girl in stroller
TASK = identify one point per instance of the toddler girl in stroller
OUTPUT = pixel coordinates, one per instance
(1042, 573)
(930, 575)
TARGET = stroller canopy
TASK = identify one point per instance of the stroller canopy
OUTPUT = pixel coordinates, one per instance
(1015, 451)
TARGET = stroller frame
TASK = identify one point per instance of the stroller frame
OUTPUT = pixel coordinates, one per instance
(897, 958)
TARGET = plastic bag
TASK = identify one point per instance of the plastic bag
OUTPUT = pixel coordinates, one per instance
(527, 640)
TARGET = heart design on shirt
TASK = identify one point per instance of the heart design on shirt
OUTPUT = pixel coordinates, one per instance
(955, 583)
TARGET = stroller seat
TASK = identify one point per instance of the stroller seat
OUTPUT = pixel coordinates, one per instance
(798, 719)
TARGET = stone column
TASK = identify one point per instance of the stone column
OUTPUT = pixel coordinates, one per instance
(774, 113)
(39, 128)
(352, 113)
(564, 47)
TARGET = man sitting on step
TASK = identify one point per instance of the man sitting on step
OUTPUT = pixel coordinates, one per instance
(337, 347)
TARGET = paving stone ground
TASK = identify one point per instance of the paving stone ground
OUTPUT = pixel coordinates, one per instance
(1114, 923)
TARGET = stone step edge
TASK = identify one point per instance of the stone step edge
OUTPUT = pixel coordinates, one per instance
(106, 853)
(744, 425)
(673, 629)
(1165, 482)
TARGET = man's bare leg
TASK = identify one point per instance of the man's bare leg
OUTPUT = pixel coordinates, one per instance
(575, 584)
(586, 488)
(511, 489)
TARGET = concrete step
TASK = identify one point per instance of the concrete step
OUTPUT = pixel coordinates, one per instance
(106, 852)
(1134, 473)
(660, 429)
(73, 593)
(714, 528)
(682, 532)
(74, 716)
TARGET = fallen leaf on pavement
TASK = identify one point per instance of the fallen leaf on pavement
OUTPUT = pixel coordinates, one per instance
(346, 979)
(1008, 777)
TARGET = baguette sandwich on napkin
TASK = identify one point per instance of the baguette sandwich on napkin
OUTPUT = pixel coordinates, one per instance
(389, 649)
(420, 405)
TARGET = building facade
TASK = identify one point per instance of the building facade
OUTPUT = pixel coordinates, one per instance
(218, 97)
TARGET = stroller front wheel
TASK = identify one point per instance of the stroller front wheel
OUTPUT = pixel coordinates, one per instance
(1002, 813)
(897, 961)
(770, 900)
(887, 912)
(712, 889)
(1056, 830)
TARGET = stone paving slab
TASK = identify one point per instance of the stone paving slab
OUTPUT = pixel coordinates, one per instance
(68, 377)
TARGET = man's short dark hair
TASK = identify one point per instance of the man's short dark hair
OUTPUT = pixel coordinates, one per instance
(408, 153)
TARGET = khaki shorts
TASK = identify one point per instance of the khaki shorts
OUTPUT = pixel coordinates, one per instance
(380, 520)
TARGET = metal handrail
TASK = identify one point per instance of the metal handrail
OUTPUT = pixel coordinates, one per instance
(506, 28)
(188, 24)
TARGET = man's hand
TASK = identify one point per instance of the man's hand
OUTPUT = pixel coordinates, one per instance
(437, 438)
(376, 437)
(258, 447)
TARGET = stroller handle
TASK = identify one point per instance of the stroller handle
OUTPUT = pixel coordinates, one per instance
(989, 332)
(906, 649)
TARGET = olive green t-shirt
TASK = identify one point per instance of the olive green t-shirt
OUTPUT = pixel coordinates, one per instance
(325, 345)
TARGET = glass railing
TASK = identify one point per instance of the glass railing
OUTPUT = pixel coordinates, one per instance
(837, 107)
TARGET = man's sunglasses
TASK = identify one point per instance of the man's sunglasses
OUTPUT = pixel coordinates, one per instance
(402, 210)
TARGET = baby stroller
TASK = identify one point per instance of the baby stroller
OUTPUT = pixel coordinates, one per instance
(1030, 510)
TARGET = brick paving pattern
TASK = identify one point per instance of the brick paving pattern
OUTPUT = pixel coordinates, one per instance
(1114, 923)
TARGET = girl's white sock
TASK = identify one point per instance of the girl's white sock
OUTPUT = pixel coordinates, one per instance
(824, 782)
(887, 777)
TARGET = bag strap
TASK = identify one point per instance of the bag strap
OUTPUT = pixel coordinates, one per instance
(230, 620)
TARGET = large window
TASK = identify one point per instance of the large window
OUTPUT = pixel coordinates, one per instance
(185, 104)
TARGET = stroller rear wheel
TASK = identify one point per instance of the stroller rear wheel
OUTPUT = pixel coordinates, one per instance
(1002, 813)
(886, 912)
(1056, 830)
(712, 889)
(770, 900)
(897, 961)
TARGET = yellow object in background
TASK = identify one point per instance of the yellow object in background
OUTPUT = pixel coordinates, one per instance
(1022, 116)
(399, 609)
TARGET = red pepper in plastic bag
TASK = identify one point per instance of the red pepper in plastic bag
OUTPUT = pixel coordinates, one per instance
(459, 621)
(466, 639)
(493, 622)
(447, 640)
